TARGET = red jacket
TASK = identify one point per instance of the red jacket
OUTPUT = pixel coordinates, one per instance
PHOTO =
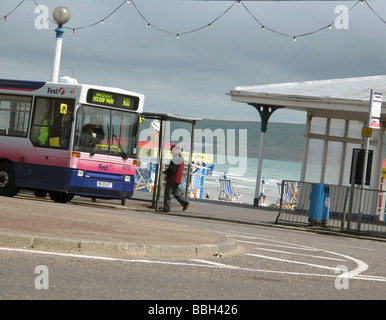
(174, 172)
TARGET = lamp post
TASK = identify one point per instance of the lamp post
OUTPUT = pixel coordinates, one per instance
(61, 15)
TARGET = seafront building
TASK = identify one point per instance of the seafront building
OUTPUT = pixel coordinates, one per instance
(337, 110)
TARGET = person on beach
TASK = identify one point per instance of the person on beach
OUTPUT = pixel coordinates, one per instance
(263, 201)
(173, 179)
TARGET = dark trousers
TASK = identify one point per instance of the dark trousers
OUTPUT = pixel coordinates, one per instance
(173, 189)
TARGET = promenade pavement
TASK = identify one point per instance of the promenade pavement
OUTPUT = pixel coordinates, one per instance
(26, 223)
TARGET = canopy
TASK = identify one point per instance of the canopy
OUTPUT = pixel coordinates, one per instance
(344, 98)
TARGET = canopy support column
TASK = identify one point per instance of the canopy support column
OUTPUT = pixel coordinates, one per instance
(265, 113)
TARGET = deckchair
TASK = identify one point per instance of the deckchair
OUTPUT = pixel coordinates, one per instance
(288, 195)
(141, 182)
(182, 186)
(228, 191)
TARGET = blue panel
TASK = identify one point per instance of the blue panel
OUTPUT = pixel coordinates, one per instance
(21, 85)
(51, 178)
(102, 175)
(36, 176)
(88, 185)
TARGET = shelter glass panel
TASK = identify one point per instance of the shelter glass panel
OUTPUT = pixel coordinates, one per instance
(318, 125)
(333, 163)
(355, 129)
(314, 160)
(337, 127)
(375, 135)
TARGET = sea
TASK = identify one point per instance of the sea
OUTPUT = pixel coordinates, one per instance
(243, 176)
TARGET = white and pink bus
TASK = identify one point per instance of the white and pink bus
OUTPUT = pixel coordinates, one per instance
(68, 139)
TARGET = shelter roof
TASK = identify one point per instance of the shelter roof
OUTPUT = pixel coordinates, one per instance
(169, 117)
(334, 96)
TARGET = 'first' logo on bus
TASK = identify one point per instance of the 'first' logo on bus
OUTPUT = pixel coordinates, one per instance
(103, 167)
(58, 91)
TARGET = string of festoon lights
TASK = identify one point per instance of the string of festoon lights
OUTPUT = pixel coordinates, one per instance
(208, 25)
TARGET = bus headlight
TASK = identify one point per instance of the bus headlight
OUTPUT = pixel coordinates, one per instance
(80, 173)
(127, 178)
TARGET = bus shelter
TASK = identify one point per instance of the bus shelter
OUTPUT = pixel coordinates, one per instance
(337, 111)
(160, 133)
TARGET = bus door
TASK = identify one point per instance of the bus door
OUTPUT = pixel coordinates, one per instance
(15, 113)
(48, 151)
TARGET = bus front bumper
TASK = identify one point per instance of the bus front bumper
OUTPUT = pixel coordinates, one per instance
(95, 184)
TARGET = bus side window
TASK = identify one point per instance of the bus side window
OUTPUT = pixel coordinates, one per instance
(5, 112)
(14, 115)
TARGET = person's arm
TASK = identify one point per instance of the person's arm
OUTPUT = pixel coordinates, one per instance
(172, 168)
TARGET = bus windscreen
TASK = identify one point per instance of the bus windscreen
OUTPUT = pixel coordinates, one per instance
(106, 131)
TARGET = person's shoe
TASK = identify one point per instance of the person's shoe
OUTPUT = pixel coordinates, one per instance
(185, 207)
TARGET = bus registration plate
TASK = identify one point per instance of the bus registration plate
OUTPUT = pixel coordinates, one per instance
(104, 184)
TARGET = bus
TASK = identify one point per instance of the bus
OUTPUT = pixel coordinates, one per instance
(68, 139)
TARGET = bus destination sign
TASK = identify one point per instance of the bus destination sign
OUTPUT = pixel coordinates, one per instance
(112, 99)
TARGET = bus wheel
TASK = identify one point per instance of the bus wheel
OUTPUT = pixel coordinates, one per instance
(61, 197)
(7, 180)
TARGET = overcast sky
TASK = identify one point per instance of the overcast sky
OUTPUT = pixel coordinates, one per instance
(191, 75)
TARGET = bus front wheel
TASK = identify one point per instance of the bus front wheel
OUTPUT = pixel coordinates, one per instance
(7, 180)
(61, 197)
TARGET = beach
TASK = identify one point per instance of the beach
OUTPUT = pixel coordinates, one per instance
(244, 181)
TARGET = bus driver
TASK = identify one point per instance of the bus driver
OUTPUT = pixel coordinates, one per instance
(91, 133)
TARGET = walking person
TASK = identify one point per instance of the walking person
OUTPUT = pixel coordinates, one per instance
(173, 179)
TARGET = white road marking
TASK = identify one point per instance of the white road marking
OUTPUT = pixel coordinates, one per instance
(365, 277)
(206, 264)
(279, 245)
(215, 263)
(82, 256)
(291, 261)
(362, 266)
(299, 254)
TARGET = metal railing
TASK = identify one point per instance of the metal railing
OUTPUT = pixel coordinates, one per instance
(341, 208)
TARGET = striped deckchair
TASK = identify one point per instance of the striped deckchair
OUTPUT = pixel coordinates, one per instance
(142, 181)
(288, 195)
(182, 186)
(228, 191)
